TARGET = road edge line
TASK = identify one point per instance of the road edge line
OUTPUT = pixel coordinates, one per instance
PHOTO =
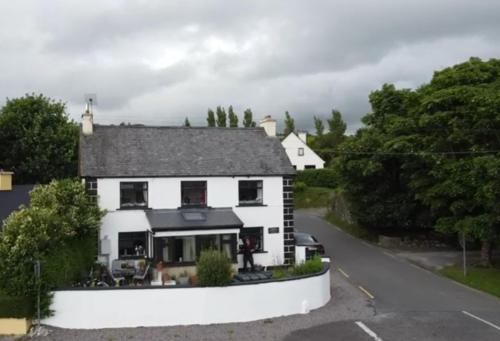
(480, 319)
(367, 293)
(368, 331)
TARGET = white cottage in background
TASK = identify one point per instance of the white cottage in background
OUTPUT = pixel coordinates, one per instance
(300, 155)
(170, 192)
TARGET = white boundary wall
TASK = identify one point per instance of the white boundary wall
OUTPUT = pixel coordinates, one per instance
(117, 308)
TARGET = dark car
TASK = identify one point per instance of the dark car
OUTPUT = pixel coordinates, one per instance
(312, 244)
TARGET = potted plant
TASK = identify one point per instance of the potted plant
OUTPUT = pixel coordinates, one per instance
(183, 278)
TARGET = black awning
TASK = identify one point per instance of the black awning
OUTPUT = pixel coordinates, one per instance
(193, 219)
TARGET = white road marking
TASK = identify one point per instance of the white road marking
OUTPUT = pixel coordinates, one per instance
(389, 254)
(482, 320)
(343, 273)
(367, 244)
(368, 331)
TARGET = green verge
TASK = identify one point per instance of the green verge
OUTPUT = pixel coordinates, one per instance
(485, 279)
(353, 229)
(313, 197)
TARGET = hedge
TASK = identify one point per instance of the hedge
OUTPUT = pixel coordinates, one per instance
(15, 307)
(214, 268)
(318, 177)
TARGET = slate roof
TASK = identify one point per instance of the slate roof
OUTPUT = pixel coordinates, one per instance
(10, 200)
(141, 151)
(200, 218)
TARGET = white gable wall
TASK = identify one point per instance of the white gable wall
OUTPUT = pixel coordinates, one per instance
(292, 143)
(221, 192)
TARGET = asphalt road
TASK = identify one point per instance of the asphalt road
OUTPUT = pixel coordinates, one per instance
(410, 303)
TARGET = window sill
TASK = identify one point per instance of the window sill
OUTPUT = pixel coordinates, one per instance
(254, 253)
(133, 208)
(251, 205)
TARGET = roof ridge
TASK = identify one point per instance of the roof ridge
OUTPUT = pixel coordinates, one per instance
(174, 127)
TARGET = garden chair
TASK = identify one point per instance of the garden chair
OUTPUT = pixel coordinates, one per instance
(141, 274)
(117, 273)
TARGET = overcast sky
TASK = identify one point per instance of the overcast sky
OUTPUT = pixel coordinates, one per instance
(157, 61)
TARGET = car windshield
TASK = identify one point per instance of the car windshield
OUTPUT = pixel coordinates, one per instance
(305, 238)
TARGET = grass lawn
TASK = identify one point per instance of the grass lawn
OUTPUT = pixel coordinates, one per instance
(352, 229)
(485, 279)
(312, 197)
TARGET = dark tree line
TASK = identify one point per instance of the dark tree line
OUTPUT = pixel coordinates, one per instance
(430, 157)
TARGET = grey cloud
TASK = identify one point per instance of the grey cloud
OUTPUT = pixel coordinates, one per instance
(157, 62)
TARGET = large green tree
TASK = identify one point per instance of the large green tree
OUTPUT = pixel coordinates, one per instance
(221, 117)
(248, 121)
(289, 124)
(38, 141)
(210, 118)
(430, 155)
(233, 118)
(319, 126)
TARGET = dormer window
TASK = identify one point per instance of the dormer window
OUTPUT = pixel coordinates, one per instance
(133, 194)
(194, 193)
(301, 151)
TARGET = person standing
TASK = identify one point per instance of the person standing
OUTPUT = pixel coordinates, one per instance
(248, 254)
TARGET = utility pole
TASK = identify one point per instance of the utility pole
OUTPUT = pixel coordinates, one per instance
(464, 253)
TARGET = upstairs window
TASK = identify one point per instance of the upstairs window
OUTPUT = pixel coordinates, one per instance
(133, 194)
(250, 192)
(301, 151)
(194, 193)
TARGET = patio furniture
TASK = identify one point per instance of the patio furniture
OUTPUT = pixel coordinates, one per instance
(141, 273)
(117, 273)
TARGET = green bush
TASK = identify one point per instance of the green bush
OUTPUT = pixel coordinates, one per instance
(214, 268)
(300, 187)
(279, 273)
(310, 266)
(318, 177)
(15, 307)
(59, 229)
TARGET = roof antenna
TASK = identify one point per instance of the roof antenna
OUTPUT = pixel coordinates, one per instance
(90, 101)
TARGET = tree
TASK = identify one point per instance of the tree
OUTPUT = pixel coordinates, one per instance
(428, 157)
(38, 141)
(187, 123)
(337, 128)
(221, 117)
(59, 228)
(233, 118)
(248, 119)
(211, 118)
(320, 127)
(289, 124)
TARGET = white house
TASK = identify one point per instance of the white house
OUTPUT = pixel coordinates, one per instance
(300, 155)
(170, 192)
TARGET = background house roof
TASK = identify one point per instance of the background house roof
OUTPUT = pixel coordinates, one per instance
(131, 151)
(10, 200)
(181, 219)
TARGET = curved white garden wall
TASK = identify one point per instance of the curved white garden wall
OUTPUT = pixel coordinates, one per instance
(114, 308)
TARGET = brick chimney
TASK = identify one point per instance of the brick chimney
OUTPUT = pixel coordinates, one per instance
(5, 180)
(88, 120)
(269, 125)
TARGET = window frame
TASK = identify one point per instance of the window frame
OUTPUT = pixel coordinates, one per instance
(259, 202)
(160, 242)
(145, 188)
(253, 230)
(300, 151)
(145, 236)
(186, 182)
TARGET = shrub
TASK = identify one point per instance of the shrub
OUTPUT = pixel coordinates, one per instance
(279, 273)
(300, 187)
(310, 266)
(318, 177)
(214, 268)
(59, 229)
(15, 307)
